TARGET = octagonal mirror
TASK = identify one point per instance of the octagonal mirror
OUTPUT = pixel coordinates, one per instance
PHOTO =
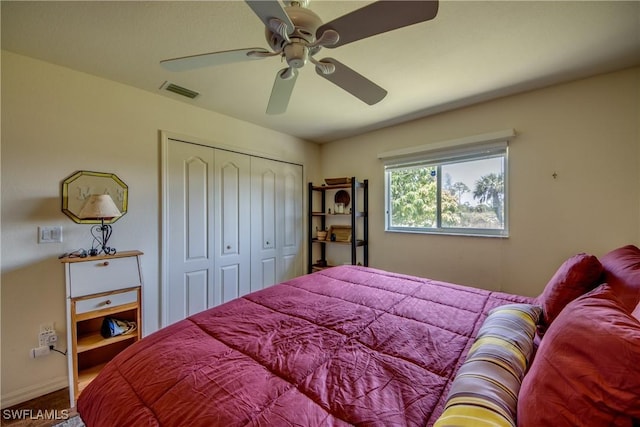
(77, 188)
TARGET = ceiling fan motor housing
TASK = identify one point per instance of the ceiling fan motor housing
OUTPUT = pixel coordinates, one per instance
(305, 21)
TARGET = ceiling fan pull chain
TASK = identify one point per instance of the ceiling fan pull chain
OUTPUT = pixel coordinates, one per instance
(279, 27)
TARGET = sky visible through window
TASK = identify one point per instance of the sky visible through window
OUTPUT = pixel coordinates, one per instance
(468, 173)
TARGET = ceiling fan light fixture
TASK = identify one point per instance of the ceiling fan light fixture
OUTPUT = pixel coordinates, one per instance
(296, 54)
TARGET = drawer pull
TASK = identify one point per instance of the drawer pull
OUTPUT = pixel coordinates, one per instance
(107, 302)
(106, 263)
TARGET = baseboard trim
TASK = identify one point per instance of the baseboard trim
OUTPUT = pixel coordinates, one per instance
(31, 392)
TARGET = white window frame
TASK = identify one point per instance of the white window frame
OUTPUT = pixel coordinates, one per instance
(442, 153)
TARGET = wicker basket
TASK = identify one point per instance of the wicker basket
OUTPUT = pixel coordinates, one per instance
(337, 181)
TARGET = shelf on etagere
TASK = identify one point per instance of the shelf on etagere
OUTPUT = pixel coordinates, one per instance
(359, 242)
(358, 184)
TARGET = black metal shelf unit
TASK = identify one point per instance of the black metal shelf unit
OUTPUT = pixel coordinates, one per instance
(357, 218)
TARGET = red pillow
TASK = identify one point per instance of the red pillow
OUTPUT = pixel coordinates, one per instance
(586, 370)
(576, 276)
(622, 270)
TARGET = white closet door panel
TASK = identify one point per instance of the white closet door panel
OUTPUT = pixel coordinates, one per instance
(292, 220)
(268, 203)
(188, 211)
(268, 272)
(196, 194)
(233, 213)
(289, 267)
(196, 287)
(230, 282)
(290, 228)
(230, 204)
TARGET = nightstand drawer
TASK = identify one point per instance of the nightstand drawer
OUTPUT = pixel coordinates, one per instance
(106, 301)
(104, 275)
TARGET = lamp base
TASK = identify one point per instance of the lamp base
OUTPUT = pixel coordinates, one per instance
(101, 234)
(103, 250)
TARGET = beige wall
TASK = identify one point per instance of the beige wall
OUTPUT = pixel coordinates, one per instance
(56, 121)
(586, 131)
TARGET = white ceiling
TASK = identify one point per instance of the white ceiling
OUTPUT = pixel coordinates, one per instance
(471, 52)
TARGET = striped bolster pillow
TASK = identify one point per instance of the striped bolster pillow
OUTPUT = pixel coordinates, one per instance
(485, 390)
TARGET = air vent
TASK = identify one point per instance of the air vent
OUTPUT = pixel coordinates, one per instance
(179, 90)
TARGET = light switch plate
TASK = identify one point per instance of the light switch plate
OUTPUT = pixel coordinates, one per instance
(50, 234)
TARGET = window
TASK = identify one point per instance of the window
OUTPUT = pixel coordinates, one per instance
(449, 188)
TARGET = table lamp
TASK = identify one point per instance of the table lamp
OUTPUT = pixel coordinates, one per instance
(100, 206)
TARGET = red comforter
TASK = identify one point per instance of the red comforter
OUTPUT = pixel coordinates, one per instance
(345, 346)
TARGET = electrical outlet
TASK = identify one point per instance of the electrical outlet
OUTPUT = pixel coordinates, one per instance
(46, 327)
(43, 338)
(47, 335)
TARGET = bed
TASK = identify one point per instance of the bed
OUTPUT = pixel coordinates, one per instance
(345, 346)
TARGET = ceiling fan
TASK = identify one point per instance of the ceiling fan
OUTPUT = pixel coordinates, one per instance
(296, 34)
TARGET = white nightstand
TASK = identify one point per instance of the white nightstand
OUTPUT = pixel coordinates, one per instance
(99, 287)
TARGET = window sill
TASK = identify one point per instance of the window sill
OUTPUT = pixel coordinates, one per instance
(463, 233)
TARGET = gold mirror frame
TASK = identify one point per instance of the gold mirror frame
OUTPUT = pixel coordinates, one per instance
(82, 184)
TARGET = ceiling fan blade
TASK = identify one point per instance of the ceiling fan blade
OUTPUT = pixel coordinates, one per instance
(215, 58)
(354, 83)
(281, 91)
(269, 9)
(379, 17)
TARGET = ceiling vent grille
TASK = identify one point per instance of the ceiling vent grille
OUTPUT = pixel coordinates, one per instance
(179, 90)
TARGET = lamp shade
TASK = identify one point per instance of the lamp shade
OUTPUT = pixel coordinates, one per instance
(99, 206)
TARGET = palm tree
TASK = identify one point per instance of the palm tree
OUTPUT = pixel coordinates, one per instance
(459, 188)
(490, 188)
